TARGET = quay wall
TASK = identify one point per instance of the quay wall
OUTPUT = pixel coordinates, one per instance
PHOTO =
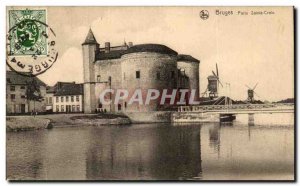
(149, 117)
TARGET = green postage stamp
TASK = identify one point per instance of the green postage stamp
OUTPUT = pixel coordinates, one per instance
(31, 42)
(27, 32)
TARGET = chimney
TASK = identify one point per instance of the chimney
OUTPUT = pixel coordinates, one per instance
(130, 44)
(107, 47)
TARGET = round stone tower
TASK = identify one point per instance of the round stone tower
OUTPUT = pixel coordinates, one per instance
(190, 66)
(89, 48)
(148, 66)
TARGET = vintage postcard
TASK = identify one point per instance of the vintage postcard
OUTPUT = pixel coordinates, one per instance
(150, 93)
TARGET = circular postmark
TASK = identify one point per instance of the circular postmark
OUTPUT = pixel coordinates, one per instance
(30, 43)
(204, 14)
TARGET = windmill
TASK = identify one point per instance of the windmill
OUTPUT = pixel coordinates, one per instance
(213, 84)
(251, 93)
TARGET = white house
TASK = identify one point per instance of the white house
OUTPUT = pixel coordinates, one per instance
(65, 97)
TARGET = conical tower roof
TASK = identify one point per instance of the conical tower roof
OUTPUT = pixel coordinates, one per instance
(90, 38)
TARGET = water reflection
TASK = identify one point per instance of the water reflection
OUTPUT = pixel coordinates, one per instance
(247, 152)
(144, 153)
(24, 155)
(251, 119)
(214, 137)
(153, 152)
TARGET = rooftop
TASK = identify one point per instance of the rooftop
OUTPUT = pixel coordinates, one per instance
(213, 77)
(13, 78)
(50, 89)
(69, 89)
(114, 54)
(157, 48)
(58, 85)
(117, 51)
(183, 57)
(90, 38)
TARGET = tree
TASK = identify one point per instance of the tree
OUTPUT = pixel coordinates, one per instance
(33, 92)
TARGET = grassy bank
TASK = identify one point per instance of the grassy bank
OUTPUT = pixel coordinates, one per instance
(26, 123)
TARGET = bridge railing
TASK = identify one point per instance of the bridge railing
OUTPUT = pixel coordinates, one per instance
(199, 108)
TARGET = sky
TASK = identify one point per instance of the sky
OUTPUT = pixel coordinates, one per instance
(247, 48)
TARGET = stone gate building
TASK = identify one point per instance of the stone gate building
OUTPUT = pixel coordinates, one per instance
(131, 67)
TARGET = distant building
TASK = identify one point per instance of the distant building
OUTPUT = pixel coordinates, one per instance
(50, 90)
(131, 67)
(65, 97)
(17, 101)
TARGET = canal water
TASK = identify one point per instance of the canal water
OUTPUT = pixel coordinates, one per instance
(262, 150)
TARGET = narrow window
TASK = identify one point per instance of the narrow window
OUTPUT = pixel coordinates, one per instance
(109, 80)
(12, 88)
(50, 100)
(62, 108)
(78, 108)
(98, 78)
(61, 99)
(57, 108)
(72, 98)
(67, 98)
(73, 108)
(137, 74)
(57, 99)
(77, 98)
(13, 97)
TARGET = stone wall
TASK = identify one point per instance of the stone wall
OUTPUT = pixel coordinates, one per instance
(103, 70)
(155, 73)
(149, 117)
(192, 71)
